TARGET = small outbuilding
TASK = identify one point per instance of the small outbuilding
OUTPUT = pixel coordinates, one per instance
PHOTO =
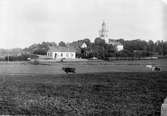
(61, 52)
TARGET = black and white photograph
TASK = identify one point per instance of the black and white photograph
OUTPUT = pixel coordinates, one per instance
(83, 57)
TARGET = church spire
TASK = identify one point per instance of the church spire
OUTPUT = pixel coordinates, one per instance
(103, 32)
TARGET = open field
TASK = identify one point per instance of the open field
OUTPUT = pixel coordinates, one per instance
(95, 94)
(82, 67)
(118, 88)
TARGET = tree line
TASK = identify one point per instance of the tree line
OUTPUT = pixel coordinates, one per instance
(98, 48)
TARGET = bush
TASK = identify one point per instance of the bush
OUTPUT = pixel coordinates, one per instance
(22, 57)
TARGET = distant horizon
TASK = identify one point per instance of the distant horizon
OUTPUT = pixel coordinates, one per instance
(78, 40)
(23, 23)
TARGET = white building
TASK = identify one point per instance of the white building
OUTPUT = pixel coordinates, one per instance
(61, 52)
(103, 34)
(84, 45)
(119, 47)
(116, 44)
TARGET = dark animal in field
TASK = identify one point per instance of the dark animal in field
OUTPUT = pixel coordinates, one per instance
(153, 68)
(157, 69)
(68, 70)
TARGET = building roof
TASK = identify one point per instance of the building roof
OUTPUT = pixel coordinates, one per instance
(114, 42)
(84, 45)
(61, 49)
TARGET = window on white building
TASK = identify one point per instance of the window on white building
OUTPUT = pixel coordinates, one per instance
(61, 54)
(55, 55)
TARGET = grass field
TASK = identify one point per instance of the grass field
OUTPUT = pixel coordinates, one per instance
(117, 88)
(82, 67)
(94, 94)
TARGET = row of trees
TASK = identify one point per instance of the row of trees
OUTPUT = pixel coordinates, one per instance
(132, 48)
(22, 57)
(102, 50)
(42, 48)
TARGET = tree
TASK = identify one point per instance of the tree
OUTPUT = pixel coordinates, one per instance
(135, 45)
(151, 46)
(159, 47)
(62, 44)
(109, 51)
(165, 48)
(99, 41)
(40, 49)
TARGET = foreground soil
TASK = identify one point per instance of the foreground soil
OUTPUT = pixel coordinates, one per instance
(94, 94)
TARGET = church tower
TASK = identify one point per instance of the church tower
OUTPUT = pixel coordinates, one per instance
(103, 32)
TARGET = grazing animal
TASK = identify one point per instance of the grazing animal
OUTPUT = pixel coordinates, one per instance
(157, 68)
(149, 66)
(68, 70)
(153, 68)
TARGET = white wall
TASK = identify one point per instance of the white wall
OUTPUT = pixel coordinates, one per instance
(120, 47)
(71, 55)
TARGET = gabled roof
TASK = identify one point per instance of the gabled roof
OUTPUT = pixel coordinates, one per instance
(61, 49)
(114, 42)
(84, 45)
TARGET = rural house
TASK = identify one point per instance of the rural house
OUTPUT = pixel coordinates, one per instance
(116, 44)
(61, 52)
(84, 45)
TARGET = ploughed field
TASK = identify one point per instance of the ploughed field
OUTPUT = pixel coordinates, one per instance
(93, 94)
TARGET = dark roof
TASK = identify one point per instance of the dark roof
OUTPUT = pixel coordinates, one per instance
(61, 49)
(114, 42)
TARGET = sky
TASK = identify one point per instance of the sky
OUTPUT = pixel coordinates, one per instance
(25, 22)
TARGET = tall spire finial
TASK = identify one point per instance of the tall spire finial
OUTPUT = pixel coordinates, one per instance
(103, 24)
(103, 31)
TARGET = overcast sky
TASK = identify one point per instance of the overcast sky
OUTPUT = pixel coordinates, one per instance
(24, 22)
